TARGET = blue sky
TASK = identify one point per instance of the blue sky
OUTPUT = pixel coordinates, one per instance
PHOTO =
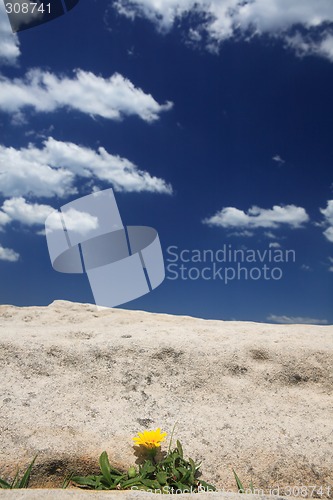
(213, 124)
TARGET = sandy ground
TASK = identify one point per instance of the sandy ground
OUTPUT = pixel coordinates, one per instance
(35, 494)
(255, 397)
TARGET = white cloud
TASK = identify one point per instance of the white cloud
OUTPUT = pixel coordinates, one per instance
(242, 234)
(296, 320)
(17, 209)
(274, 244)
(25, 171)
(74, 220)
(8, 254)
(328, 215)
(278, 159)
(329, 234)
(255, 217)
(4, 219)
(9, 45)
(112, 98)
(18, 119)
(305, 45)
(331, 262)
(51, 170)
(223, 19)
(35, 214)
(270, 235)
(162, 12)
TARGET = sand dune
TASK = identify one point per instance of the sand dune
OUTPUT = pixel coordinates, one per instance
(76, 380)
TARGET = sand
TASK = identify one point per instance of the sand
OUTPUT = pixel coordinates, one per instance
(251, 396)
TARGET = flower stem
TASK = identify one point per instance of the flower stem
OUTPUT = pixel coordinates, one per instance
(173, 430)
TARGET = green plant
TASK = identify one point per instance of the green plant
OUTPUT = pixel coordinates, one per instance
(171, 474)
(17, 482)
(240, 486)
(67, 480)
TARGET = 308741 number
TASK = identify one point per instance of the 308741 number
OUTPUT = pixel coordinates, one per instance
(27, 8)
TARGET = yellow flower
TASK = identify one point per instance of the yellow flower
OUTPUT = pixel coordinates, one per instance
(150, 439)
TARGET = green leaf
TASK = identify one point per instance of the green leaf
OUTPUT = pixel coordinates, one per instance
(15, 481)
(115, 471)
(186, 475)
(151, 483)
(131, 482)
(162, 478)
(193, 467)
(167, 460)
(238, 482)
(105, 467)
(182, 486)
(25, 479)
(103, 484)
(85, 481)
(4, 484)
(175, 473)
(207, 486)
(118, 479)
(180, 449)
(191, 478)
(67, 480)
(147, 468)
